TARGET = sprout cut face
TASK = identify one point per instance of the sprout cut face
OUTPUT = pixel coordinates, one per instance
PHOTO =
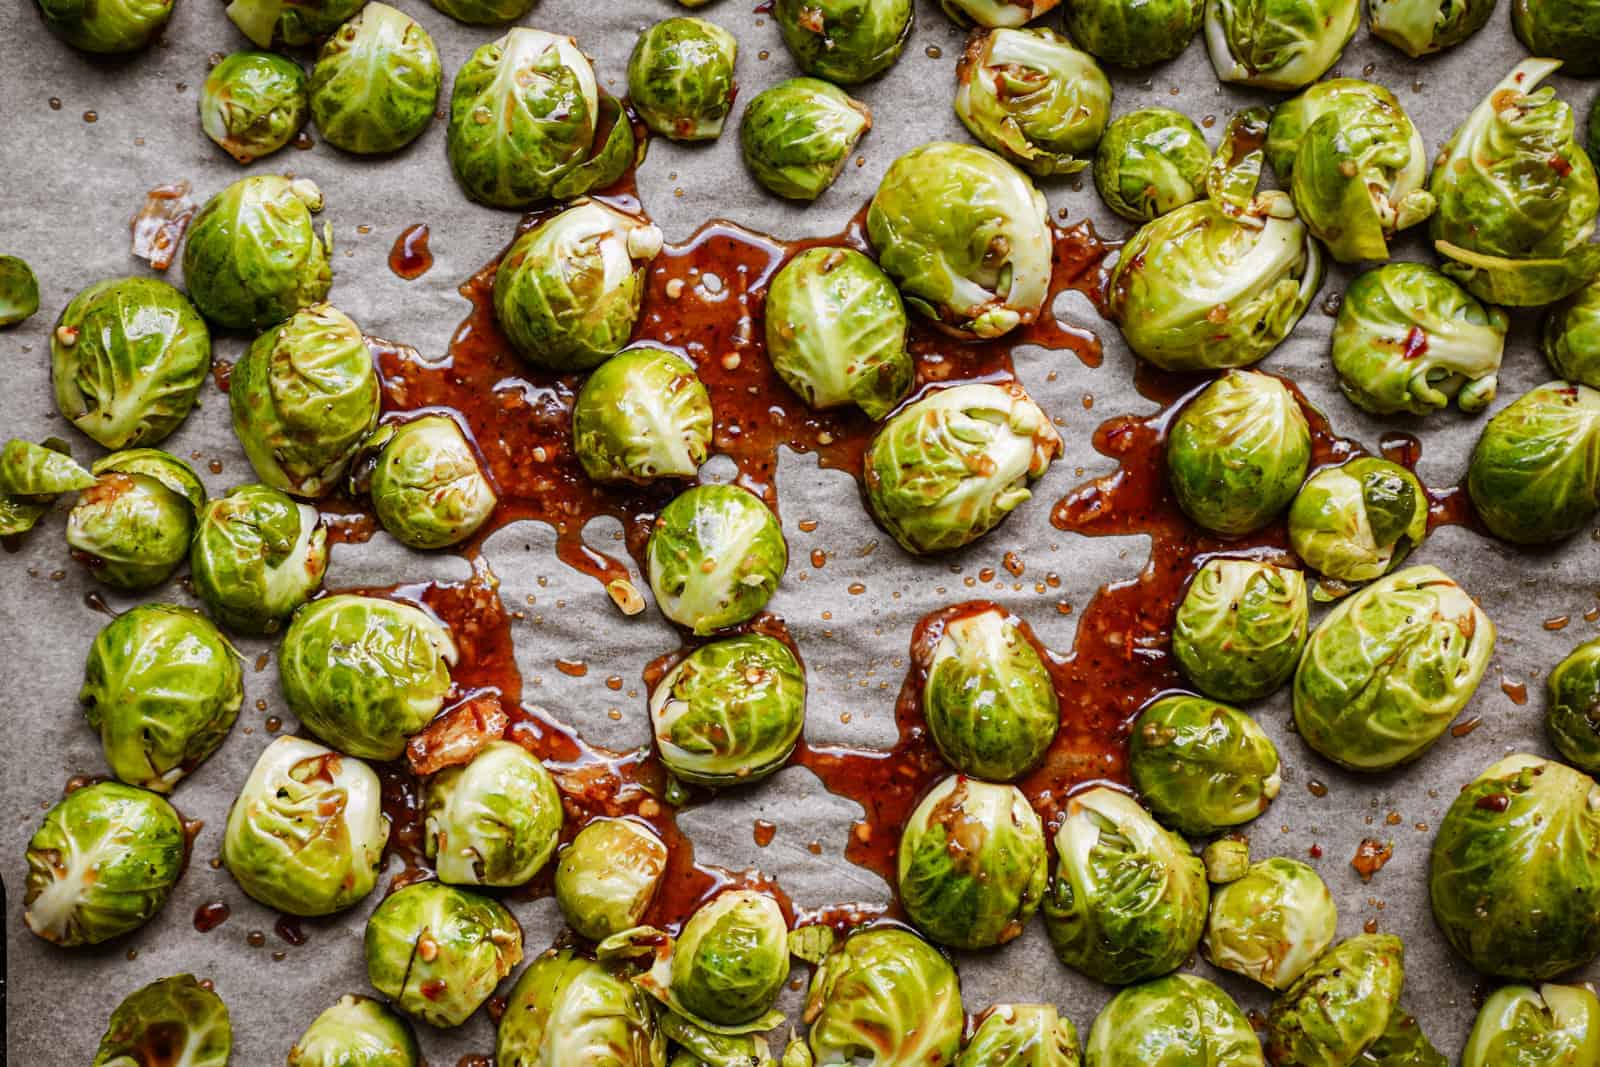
(643, 414)
(567, 1009)
(680, 78)
(884, 997)
(376, 82)
(715, 557)
(996, 13)
(1550, 1025)
(796, 136)
(253, 255)
(253, 103)
(1150, 162)
(175, 1020)
(1573, 720)
(1535, 473)
(1177, 1021)
(844, 41)
(1278, 44)
(1202, 766)
(1128, 33)
(1022, 1035)
(1571, 335)
(270, 23)
(133, 526)
(356, 1032)
(494, 821)
(257, 555)
(1342, 1005)
(1240, 628)
(438, 952)
(427, 486)
(608, 875)
(1423, 27)
(1272, 924)
(1358, 521)
(107, 29)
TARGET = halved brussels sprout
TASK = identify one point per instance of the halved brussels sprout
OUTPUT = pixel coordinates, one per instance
(1278, 44)
(1131, 33)
(1422, 27)
(494, 821)
(428, 488)
(608, 875)
(643, 414)
(128, 358)
(1535, 472)
(1516, 868)
(1341, 1006)
(1150, 162)
(106, 28)
(796, 136)
(270, 23)
(132, 528)
(1240, 628)
(680, 78)
(364, 674)
(1571, 335)
(1545, 1027)
(19, 291)
(995, 13)
(951, 465)
(884, 998)
(356, 1032)
(253, 255)
(102, 863)
(1359, 520)
(1202, 766)
(569, 1010)
(1237, 452)
(715, 557)
(31, 477)
(253, 103)
(304, 397)
(1032, 97)
(376, 82)
(1573, 720)
(965, 236)
(1022, 1035)
(1128, 899)
(844, 41)
(1272, 924)
(1178, 1021)
(174, 1020)
(484, 12)
(1387, 670)
(437, 952)
(1564, 30)
(257, 555)
(971, 867)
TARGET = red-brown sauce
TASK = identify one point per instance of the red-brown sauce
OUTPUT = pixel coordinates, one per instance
(410, 258)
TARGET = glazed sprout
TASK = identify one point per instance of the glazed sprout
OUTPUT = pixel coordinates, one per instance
(1543, 1027)
(1360, 520)
(988, 699)
(844, 41)
(1571, 335)
(1128, 33)
(19, 291)
(376, 82)
(950, 466)
(725, 970)
(31, 477)
(304, 397)
(1340, 1006)
(884, 997)
(257, 555)
(1177, 1021)
(971, 868)
(1534, 477)
(569, 1010)
(1033, 98)
(253, 255)
(437, 952)
(484, 12)
(1403, 1044)
(428, 488)
(162, 687)
(1573, 720)
(1237, 452)
(1022, 1035)
(106, 28)
(1564, 30)
(965, 236)
(1202, 766)
(253, 103)
(174, 1020)
(680, 78)
(127, 358)
(271, 23)
(356, 1032)
(1227, 859)
(715, 557)
(494, 821)
(608, 875)
(996, 13)
(132, 528)
(1515, 868)
(363, 673)
(102, 863)
(1271, 924)
(1128, 899)
(1388, 669)
(1150, 162)
(1278, 44)
(643, 414)
(1240, 628)
(796, 136)
(1423, 27)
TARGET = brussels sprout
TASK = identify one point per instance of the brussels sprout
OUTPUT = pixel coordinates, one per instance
(994, 14)
(643, 414)
(133, 526)
(1278, 44)
(1341, 1005)
(680, 78)
(1403, 1044)
(270, 23)
(1516, 868)
(304, 397)
(1567, 31)
(725, 971)
(1535, 472)
(1033, 98)
(494, 821)
(253, 103)
(608, 875)
(107, 27)
(1517, 196)
(171, 1021)
(437, 952)
(971, 868)
(363, 673)
(1022, 1035)
(949, 467)
(1227, 859)
(796, 136)
(965, 236)
(1128, 899)
(1388, 669)
(31, 477)
(128, 357)
(1545, 1027)
(1150, 162)
(1237, 452)
(1422, 27)
(1202, 766)
(484, 12)
(102, 863)
(1240, 628)
(988, 699)
(1129, 33)
(356, 1032)
(376, 82)
(1177, 1021)
(884, 998)
(1573, 720)
(253, 256)
(19, 291)
(257, 556)
(1571, 336)
(569, 1010)
(1360, 520)
(715, 557)
(1271, 924)
(844, 41)
(428, 488)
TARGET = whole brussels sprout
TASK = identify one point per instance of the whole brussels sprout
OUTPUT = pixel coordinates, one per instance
(174, 1020)
(253, 256)
(257, 556)
(569, 1010)
(1341, 1006)
(270, 23)
(971, 867)
(1227, 859)
(494, 821)
(106, 27)
(1573, 720)
(730, 712)
(796, 136)
(643, 414)
(437, 952)
(950, 466)
(1272, 924)
(608, 875)
(1237, 452)
(133, 526)
(1571, 336)
(1544, 1027)
(725, 971)
(715, 557)
(1022, 1035)
(162, 687)
(356, 1032)
(1561, 29)
(1033, 98)
(1517, 196)
(128, 357)
(102, 863)
(1128, 899)
(1516, 868)
(1387, 670)
(1535, 472)
(884, 998)
(1177, 1021)
(1423, 27)
(376, 82)
(364, 674)
(988, 699)
(303, 398)
(31, 477)
(965, 236)
(1278, 44)
(995, 13)
(253, 103)
(484, 12)
(1359, 520)
(680, 78)
(1128, 33)
(1240, 628)
(428, 488)
(1202, 766)
(19, 291)
(844, 41)
(1150, 162)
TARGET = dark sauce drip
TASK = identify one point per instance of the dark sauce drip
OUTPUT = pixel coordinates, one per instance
(210, 915)
(410, 258)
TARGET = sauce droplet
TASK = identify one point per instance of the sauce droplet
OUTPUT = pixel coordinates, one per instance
(410, 257)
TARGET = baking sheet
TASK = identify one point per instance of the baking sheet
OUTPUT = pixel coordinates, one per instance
(67, 189)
